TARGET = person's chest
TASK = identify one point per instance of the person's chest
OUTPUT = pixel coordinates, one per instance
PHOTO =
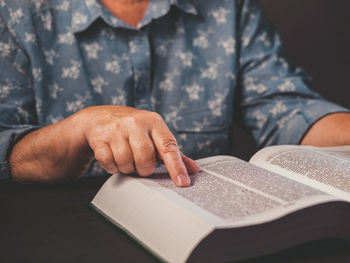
(177, 65)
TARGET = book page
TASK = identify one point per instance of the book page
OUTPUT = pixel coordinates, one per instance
(150, 218)
(226, 193)
(324, 168)
(231, 192)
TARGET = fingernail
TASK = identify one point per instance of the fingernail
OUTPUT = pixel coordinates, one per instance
(183, 180)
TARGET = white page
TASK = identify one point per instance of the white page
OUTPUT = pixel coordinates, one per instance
(324, 168)
(229, 192)
(163, 227)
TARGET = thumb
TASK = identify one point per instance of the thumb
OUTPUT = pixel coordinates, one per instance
(191, 166)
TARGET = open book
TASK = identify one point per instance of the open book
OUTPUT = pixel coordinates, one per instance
(285, 195)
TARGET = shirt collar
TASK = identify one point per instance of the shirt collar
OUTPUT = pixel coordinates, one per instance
(84, 12)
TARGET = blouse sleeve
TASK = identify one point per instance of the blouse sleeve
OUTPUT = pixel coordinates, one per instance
(17, 100)
(275, 102)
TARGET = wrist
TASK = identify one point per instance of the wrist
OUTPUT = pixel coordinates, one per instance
(75, 128)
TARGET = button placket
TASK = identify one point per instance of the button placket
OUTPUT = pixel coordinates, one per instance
(141, 60)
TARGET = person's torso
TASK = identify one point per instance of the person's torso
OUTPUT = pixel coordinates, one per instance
(181, 63)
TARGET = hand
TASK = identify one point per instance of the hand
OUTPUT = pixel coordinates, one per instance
(126, 139)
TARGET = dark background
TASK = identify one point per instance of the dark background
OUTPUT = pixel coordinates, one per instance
(315, 36)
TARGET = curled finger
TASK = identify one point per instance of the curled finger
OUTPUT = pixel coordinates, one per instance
(104, 156)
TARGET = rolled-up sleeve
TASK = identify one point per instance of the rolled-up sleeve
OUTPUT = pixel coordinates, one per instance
(17, 99)
(274, 102)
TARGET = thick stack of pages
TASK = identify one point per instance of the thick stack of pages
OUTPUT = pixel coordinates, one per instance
(285, 195)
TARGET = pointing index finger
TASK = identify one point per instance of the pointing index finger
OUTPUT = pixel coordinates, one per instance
(169, 152)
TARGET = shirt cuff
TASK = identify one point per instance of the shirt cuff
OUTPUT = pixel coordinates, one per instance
(8, 139)
(300, 123)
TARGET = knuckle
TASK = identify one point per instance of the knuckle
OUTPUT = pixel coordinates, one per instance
(142, 119)
(126, 169)
(155, 116)
(124, 158)
(168, 146)
(145, 164)
(131, 120)
(103, 158)
(146, 169)
(103, 133)
(145, 160)
(125, 162)
(145, 150)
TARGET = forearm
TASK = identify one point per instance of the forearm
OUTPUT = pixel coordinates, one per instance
(121, 139)
(57, 152)
(332, 130)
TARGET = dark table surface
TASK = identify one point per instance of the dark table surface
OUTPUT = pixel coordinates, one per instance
(53, 223)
